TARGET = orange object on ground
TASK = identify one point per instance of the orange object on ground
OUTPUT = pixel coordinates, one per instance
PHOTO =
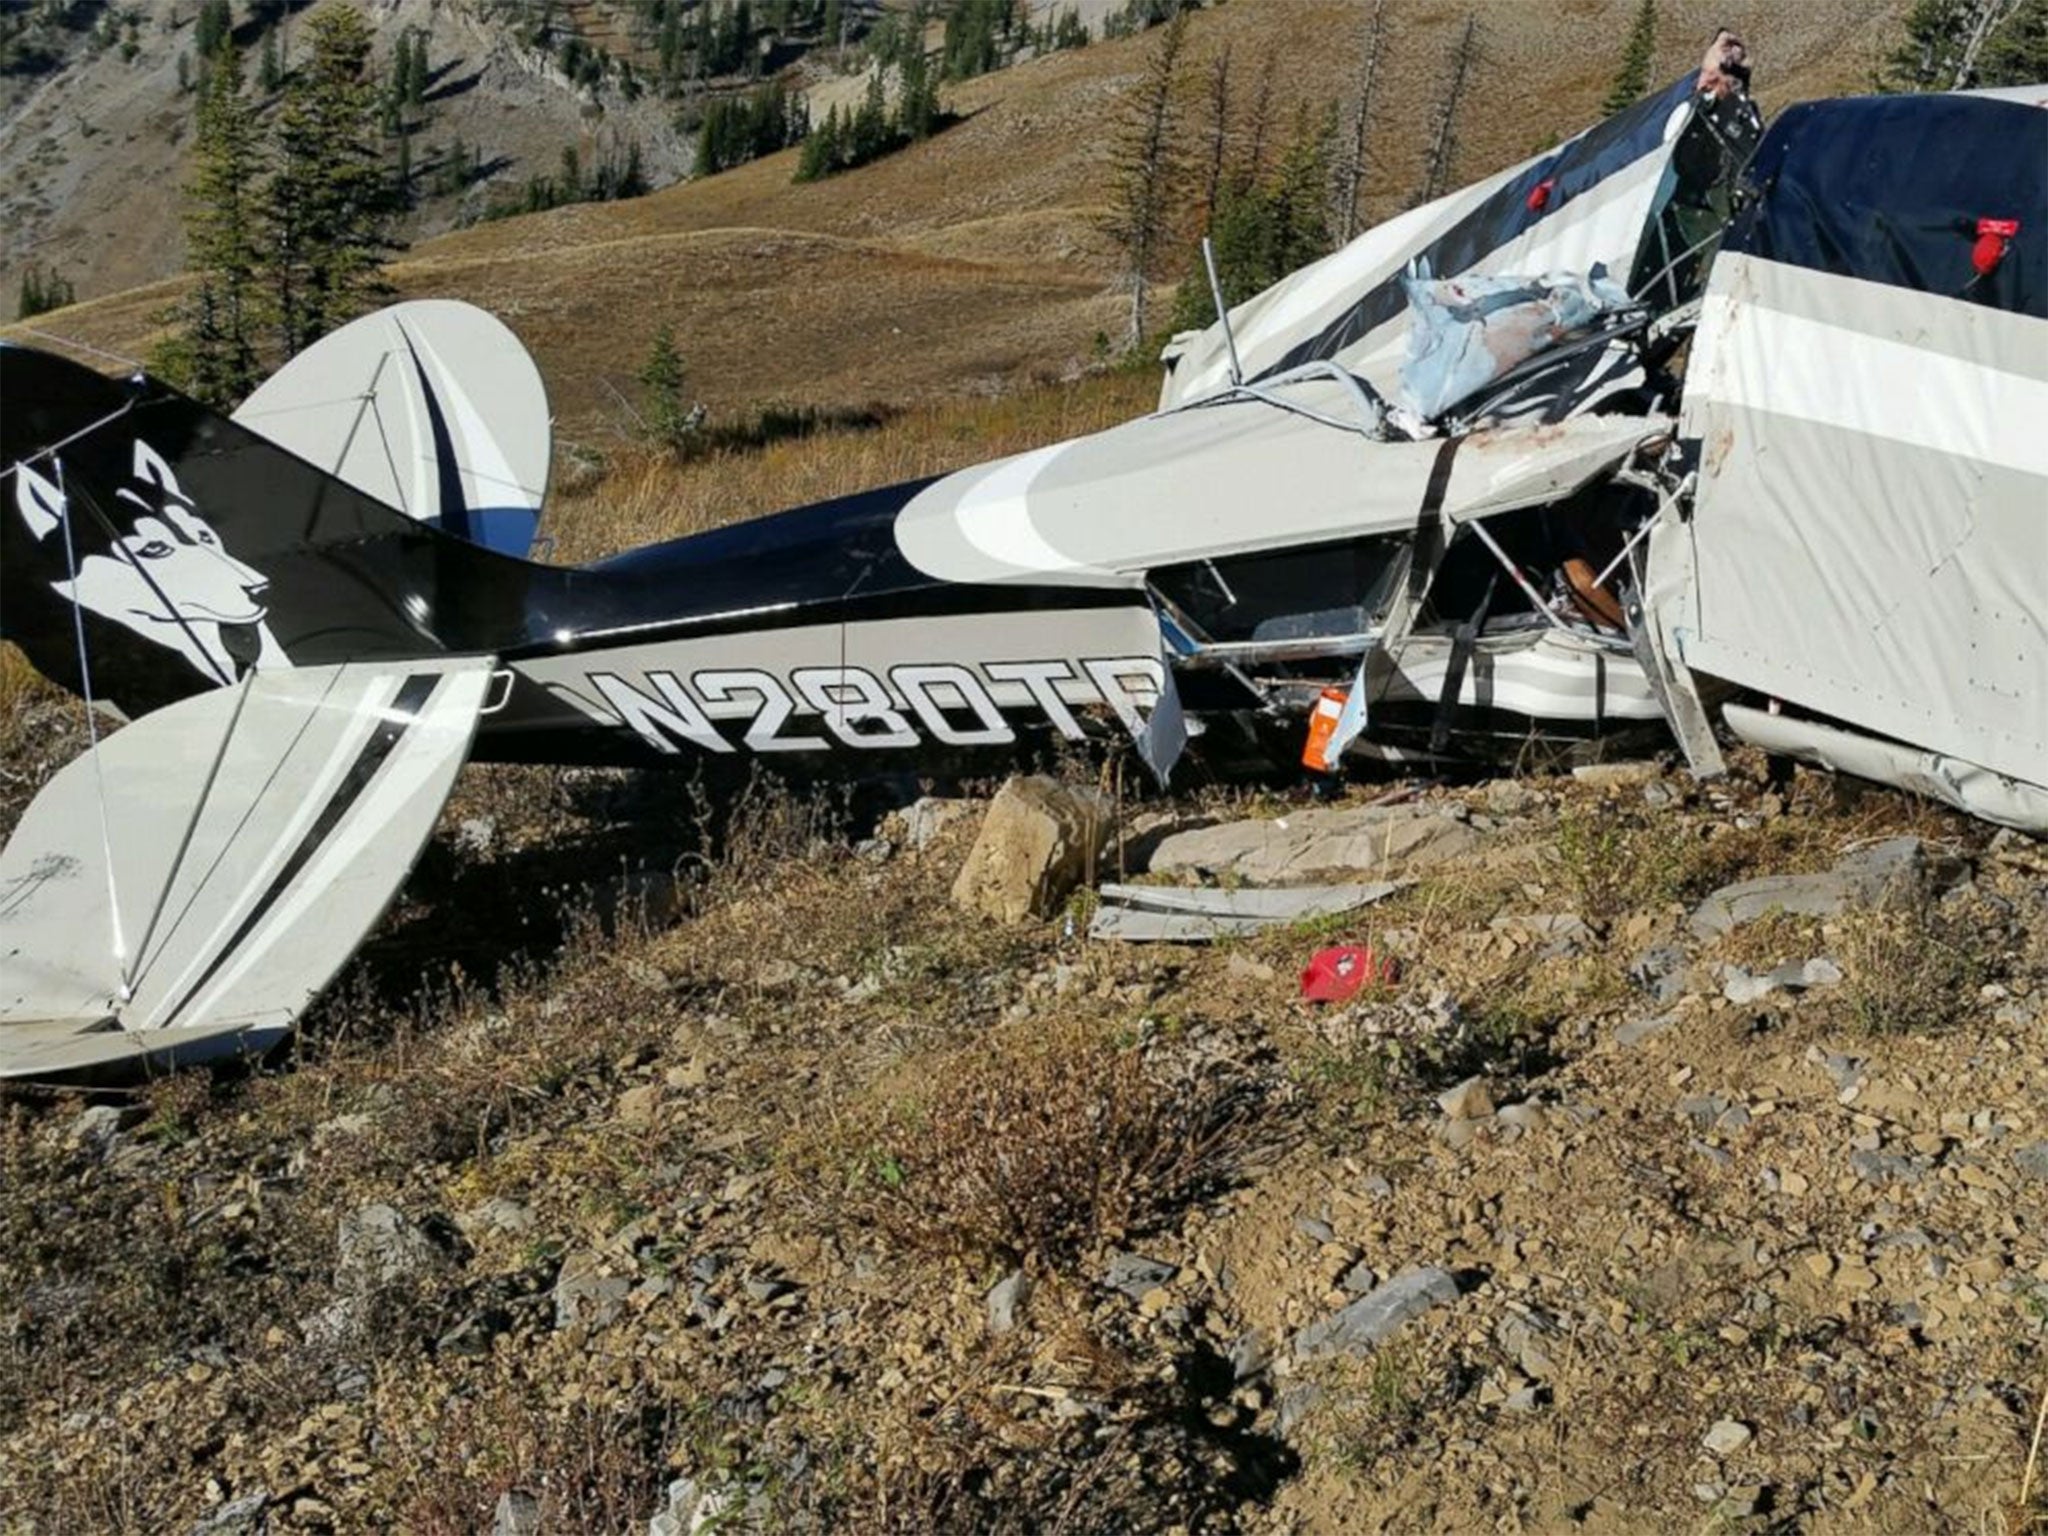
(1322, 725)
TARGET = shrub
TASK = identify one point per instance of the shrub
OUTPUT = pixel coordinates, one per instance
(1912, 969)
(1044, 1144)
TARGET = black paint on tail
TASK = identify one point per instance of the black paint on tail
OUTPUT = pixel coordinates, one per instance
(190, 549)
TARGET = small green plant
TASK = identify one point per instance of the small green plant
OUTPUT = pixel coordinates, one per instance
(670, 420)
(1389, 1386)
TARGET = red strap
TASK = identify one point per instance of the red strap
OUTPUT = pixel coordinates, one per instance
(2005, 229)
(1539, 195)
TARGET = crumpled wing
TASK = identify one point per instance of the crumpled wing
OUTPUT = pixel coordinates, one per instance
(189, 892)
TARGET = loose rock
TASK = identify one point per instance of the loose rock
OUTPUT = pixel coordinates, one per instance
(1895, 870)
(1727, 1437)
(1004, 1298)
(1038, 842)
(378, 1245)
(1470, 1100)
(517, 1514)
(1375, 1317)
(1314, 843)
(583, 1290)
(1134, 1274)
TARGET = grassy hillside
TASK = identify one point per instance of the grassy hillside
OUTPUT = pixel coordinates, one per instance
(975, 261)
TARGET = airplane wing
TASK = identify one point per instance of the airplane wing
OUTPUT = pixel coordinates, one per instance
(187, 889)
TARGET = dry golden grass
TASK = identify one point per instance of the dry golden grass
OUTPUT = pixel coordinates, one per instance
(647, 494)
(976, 259)
(18, 679)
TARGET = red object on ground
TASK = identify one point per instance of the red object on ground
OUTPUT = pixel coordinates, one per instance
(1993, 237)
(1337, 973)
(1539, 195)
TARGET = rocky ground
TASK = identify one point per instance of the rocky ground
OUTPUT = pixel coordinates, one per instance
(1690, 1174)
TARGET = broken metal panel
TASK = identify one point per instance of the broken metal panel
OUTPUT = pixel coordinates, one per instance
(1967, 786)
(1165, 489)
(1143, 914)
(1868, 528)
(1538, 672)
(1677, 694)
(196, 883)
(1504, 469)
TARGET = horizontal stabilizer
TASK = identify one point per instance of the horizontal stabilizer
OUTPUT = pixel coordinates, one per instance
(186, 891)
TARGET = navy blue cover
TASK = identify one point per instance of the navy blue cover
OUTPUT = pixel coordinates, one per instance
(1891, 188)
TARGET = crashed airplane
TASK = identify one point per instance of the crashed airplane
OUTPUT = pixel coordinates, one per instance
(1683, 426)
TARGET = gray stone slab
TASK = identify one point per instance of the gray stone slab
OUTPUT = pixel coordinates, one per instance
(1376, 1316)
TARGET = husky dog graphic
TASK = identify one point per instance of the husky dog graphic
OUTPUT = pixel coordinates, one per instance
(165, 574)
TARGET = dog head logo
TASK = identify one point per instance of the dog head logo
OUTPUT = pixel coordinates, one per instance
(164, 574)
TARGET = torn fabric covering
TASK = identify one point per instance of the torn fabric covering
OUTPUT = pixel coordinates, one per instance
(1597, 193)
(1868, 526)
(1969, 788)
(431, 407)
(1466, 332)
(1165, 733)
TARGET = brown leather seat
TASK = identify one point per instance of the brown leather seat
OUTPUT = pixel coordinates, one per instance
(1595, 602)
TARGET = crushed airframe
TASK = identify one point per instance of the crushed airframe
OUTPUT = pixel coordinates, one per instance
(1683, 425)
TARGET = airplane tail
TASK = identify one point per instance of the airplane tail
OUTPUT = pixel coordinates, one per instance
(151, 549)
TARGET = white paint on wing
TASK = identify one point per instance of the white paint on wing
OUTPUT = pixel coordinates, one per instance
(994, 516)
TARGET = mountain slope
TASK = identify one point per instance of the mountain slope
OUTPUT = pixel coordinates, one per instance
(976, 258)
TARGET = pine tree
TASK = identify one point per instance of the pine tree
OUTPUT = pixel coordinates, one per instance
(401, 172)
(869, 131)
(1352, 176)
(216, 22)
(1443, 138)
(668, 420)
(1263, 230)
(42, 290)
(416, 74)
(325, 215)
(823, 147)
(917, 104)
(222, 317)
(1260, 127)
(1146, 161)
(1216, 152)
(1970, 44)
(269, 67)
(1638, 54)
